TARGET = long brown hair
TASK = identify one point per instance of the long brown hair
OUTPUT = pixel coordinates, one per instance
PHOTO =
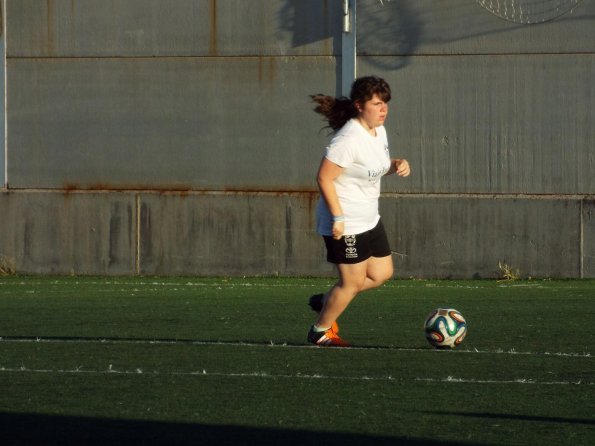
(337, 111)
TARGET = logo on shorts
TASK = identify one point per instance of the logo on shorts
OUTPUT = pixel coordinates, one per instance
(350, 250)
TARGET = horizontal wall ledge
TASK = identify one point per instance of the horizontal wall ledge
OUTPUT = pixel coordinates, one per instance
(224, 233)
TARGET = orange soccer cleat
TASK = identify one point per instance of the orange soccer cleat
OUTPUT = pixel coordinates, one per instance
(326, 338)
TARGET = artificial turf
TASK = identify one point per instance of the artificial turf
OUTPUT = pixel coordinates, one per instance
(92, 360)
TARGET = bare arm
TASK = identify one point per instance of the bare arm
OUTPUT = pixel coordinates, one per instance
(327, 172)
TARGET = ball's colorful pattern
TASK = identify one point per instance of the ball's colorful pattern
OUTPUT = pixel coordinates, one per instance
(445, 328)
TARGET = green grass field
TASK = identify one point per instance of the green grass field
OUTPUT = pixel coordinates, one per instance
(224, 361)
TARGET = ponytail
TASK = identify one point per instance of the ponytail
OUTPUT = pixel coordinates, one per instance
(336, 111)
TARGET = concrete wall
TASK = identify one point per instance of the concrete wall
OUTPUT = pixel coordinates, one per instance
(176, 137)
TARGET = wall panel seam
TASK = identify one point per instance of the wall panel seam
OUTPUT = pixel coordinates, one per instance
(137, 232)
(581, 248)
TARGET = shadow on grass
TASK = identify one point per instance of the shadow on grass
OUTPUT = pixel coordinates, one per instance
(182, 341)
(33, 430)
(503, 416)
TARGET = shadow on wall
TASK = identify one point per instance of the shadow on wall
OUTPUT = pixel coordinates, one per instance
(398, 28)
(393, 28)
(311, 21)
(390, 29)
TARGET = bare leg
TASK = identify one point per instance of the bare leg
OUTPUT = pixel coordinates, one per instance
(353, 279)
(380, 269)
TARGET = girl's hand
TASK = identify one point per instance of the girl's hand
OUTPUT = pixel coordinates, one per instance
(402, 167)
(338, 229)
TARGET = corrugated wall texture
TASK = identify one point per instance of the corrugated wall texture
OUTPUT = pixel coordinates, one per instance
(176, 136)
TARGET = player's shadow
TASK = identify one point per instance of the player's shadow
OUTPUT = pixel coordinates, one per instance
(184, 341)
(49, 430)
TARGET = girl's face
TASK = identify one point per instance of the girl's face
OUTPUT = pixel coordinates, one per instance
(373, 112)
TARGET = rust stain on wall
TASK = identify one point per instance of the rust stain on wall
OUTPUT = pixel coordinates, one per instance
(213, 50)
(50, 26)
(266, 72)
(271, 69)
(107, 187)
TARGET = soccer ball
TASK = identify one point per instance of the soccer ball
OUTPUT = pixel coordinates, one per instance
(445, 328)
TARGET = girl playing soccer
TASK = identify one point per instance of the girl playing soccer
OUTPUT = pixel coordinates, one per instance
(347, 212)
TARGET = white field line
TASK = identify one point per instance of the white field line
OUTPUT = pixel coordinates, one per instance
(110, 283)
(272, 344)
(204, 373)
(451, 379)
(247, 284)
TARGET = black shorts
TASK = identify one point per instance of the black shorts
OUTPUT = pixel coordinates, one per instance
(359, 247)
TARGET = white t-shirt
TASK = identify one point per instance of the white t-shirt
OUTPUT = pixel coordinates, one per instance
(365, 160)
